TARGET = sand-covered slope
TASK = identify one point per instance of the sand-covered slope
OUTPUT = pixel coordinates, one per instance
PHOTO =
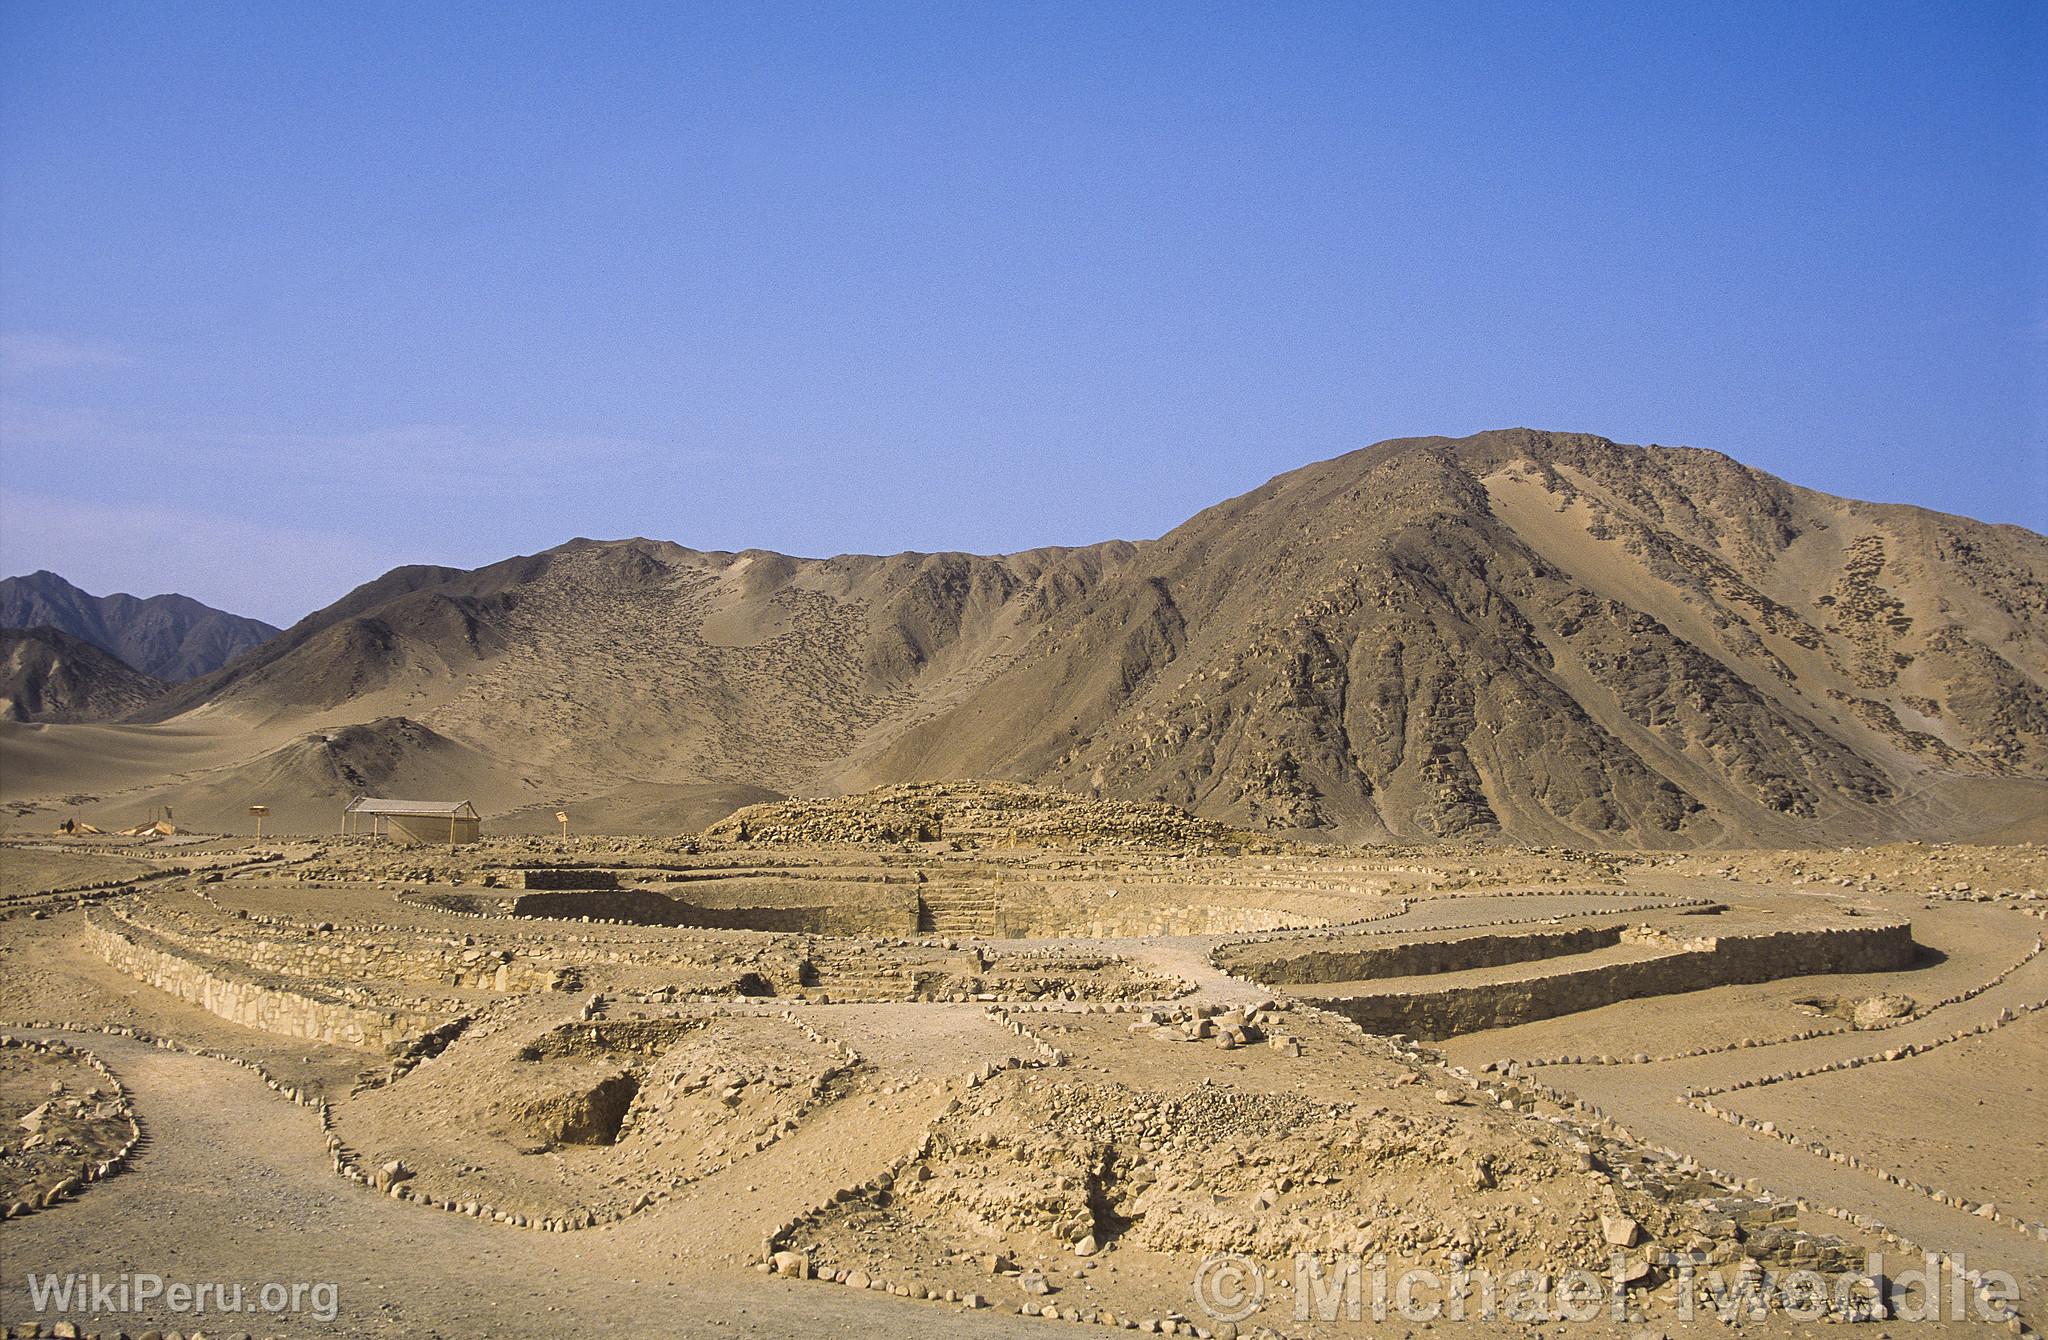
(305, 779)
(639, 660)
(1540, 636)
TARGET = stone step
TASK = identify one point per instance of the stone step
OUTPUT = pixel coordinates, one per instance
(957, 913)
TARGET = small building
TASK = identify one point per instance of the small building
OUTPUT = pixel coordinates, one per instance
(451, 821)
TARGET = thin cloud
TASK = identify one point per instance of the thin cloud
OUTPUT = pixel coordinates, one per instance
(390, 463)
(25, 353)
(270, 572)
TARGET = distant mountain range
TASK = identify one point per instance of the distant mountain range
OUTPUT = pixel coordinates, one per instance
(1534, 636)
(169, 637)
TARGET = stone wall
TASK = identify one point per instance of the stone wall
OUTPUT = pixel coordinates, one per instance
(1039, 921)
(342, 956)
(1418, 957)
(1692, 965)
(852, 910)
(884, 903)
(558, 877)
(270, 1006)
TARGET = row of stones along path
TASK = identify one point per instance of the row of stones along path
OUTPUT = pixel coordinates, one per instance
(1646, 1100)
(234, 1185)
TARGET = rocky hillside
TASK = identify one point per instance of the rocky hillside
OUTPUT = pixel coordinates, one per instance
(641, 660)
(53, 676)
(1543, 637)
(170, 637)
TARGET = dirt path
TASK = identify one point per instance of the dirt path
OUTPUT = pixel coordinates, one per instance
(920, 1041)
(234, 1186)
(1644, 1098)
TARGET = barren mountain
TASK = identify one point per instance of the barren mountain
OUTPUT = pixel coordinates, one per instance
(1546, 636)
(53, 676)
(1520, 634)
(171, 637)
(642, 660)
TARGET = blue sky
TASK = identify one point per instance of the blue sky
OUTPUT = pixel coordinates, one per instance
(290, 294)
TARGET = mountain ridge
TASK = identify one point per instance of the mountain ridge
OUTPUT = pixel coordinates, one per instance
(1516, 635)
(169, 637)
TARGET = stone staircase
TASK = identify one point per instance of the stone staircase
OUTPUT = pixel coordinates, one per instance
(957, 912)
(854, 982)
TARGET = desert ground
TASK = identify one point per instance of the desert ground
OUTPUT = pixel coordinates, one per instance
(981, 1060)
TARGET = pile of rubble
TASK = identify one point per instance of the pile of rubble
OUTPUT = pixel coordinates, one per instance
(1045, 1174)
(68, 1122)
(1226, 1027)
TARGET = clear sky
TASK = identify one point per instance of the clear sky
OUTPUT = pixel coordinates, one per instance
(293, 293)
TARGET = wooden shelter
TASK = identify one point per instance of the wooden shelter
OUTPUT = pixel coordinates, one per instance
(450, 821)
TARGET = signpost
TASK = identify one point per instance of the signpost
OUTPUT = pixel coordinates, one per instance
(562, 818)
